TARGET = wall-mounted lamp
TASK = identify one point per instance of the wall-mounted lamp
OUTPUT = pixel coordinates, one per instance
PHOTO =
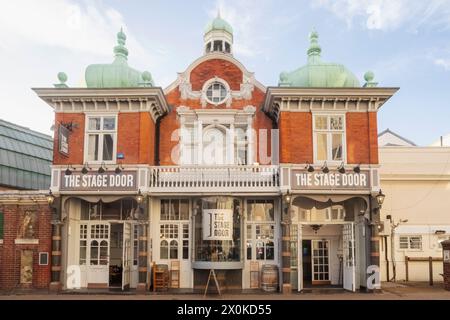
(341, 168)
(316, 227)
(102, 168)
(309, 167)
(139, 197)
(287, 197)
(86, 168)
(119, 168)
(50, 198)
(357, 169)
(325, 168)
(69, 170)
(380, 198)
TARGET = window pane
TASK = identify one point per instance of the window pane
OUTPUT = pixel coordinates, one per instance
(269, 211)
(259, 250)
(336, 123)
(185, 249)
(175, 210)
(94, 252)
(164, 250)
(184, 209)
(165, 209)
(93, 147)
(94, 123)
(109, 123)
(321, 146)
(337, 146)
(173, 249)
(249, 249)
(321, 122)
(108, 143)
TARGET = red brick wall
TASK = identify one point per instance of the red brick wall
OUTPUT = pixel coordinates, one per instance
(147, 139)
(76, 139)
(362, 137)
(226, 70)
(128, 136)
(296, 142)
(10, 252)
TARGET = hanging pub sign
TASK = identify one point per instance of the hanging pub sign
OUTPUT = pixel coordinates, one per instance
(217, 224)
(63, 140)
(317, 180)
(94, 181)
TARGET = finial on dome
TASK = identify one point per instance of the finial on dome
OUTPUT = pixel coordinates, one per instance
(314, 49)
(62, 77)
(369, 76)
(147, 79)
(218, 13)
(120, 50)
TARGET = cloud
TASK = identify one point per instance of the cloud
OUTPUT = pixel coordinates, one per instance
(445, 63)
(89, 27)
(253, 30)
(389, 14)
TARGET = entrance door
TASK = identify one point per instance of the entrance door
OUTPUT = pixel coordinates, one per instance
(320, 262)
(98, 271)
(300, 257)
(348, 246)
(127, 259)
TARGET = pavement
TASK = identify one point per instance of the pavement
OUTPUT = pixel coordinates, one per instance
(389, 291)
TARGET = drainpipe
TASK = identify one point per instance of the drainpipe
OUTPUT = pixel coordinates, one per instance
(157, 137)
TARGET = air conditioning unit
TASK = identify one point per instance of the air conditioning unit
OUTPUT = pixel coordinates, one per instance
(384, 228)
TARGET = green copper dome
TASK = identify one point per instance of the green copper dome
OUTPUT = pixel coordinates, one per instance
(317, 73)
(117, 74)
(218, 24)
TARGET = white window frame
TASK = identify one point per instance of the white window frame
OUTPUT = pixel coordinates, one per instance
(211, 82)
(195, 142)
(179, 223)
(253, 223)
(329, 133)
(100, 132)
(409, 236)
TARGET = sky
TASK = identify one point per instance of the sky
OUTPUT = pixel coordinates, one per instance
(406, 43)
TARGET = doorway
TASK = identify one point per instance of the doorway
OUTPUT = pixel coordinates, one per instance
(316, 262)
(306, 259)
(115, 257)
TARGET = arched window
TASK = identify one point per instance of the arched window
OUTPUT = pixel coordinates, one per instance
(103, 258)
(173, 249)
(214, 146)
(164, 250)
(94, 252)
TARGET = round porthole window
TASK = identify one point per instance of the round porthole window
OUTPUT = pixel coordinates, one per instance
(216, 93)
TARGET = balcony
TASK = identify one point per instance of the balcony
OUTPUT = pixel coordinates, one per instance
(210, 179)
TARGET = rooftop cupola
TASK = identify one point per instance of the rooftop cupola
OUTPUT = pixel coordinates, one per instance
(218, 36)
(117, 74)
(317, 73)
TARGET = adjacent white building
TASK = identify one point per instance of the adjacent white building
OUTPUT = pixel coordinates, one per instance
(416, 211)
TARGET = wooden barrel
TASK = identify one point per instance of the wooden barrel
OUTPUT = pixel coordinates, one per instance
(269, 277)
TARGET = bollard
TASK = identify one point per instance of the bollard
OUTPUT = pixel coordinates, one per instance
(446, 261)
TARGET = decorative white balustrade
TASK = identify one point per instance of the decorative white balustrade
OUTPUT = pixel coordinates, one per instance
(214, 178)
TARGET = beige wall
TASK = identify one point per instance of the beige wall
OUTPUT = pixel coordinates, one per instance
(416, 181)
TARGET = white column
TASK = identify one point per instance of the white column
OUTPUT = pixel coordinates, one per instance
(250, 150)
(230, 145)
(199, 142)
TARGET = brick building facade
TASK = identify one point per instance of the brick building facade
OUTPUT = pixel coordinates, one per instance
(26, 243)
(216, 171)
